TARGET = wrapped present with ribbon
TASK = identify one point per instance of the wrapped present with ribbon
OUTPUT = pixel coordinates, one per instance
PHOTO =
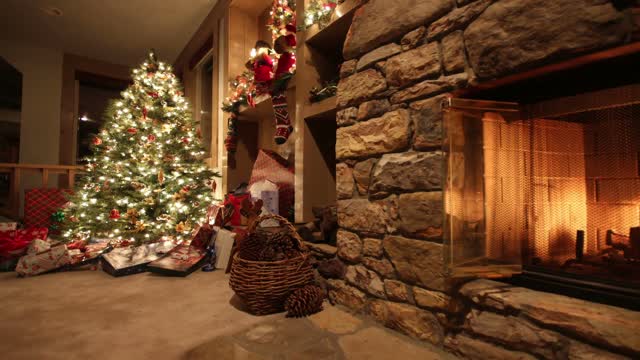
(134, 259)
(5, 226)
(14, 243)
(181, 261)
(39, 261)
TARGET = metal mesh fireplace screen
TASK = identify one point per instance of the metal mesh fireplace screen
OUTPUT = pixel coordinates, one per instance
(556, 187)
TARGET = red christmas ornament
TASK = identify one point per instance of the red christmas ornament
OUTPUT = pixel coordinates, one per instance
(153, 94)
(114, 214)
(151, 137)
(132, 130)
(144, 112)
(97, 141)
(185, 140)
(150, 74)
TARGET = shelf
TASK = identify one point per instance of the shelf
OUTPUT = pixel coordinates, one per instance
(336, 31)
(321, 110)
(264, 105)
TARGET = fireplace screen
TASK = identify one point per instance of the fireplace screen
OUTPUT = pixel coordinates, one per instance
(555, 186)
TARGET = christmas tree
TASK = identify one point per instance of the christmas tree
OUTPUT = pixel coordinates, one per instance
(146, 178)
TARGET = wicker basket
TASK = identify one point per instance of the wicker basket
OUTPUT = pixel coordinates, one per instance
(264, 286)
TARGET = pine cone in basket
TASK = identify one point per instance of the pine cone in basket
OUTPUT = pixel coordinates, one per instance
(251, 248)
(304, 301)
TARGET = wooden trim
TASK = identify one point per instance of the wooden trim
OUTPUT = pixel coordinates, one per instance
(65, 168)
(556, 67)
(71, 66)
(202, 52)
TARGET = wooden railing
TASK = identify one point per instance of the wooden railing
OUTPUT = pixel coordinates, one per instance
(16, 172)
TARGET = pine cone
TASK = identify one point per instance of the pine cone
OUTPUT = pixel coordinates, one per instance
(304, 301)
(251, 248)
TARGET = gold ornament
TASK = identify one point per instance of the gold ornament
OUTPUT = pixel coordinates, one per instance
(140, 226)
(180, 227)
(132, 215)
(161, 177)
(149, 201)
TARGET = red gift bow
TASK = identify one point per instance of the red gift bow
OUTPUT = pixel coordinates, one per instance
(14, 243)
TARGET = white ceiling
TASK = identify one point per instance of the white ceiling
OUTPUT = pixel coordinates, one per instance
(116, 31)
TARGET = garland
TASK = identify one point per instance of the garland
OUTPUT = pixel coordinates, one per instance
(320, 12)
(329, 89)
(283, 13)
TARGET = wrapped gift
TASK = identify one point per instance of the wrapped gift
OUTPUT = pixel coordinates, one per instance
(14, 243)
(41, 204)
(181, 261)
(272, 167)
(5, 226)
(236, 200)
(134, 259)
(51, 259)
(224, 246)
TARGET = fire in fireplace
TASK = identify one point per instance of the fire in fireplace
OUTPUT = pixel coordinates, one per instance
(551, 187)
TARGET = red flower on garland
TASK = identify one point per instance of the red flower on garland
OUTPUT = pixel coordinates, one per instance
(114, 214)
(97, 141)
(132, 130)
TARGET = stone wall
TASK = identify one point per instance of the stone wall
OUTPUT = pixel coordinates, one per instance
(401, 57)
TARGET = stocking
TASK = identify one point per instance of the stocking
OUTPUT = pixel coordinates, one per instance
(283, 123)
(231, 142)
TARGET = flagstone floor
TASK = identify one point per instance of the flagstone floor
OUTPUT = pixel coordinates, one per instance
(91, 315)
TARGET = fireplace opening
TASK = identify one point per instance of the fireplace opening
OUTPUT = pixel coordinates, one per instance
(548, 192)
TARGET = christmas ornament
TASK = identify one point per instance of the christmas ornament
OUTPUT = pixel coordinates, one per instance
(304, 301)
(132, 215)
(140, 226)
(114, 214)
(149, 201)
(151, 138)
(144, 112)
(132, 131)
(161, 177)
(97, 141)
(153, 94)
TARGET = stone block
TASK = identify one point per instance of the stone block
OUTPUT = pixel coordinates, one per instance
(377, 23)
(457, 19)
(421, 214)
(362, 175)
(373, 108)
(609, 326)
(410, 171)
(372, 247)
(426, 116)
(365, 280)
(397, 291)
(413, 39)
(417, 262)
(348, 68)
(344, 181)
(517, 333)
(382, 135)
(474, 349)
(381, 53)
(380, 266)
(376, 217)
(513, 34)
(410, 320)
(431, 299)
(347, 116)
(429, 88)
(413, 65)
(453, 56)
(360, 87)
(342, 294)
(349, 246)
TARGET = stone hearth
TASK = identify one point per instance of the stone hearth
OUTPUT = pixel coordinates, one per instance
(402, 56)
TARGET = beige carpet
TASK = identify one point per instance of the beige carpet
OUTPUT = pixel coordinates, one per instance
(91, 315)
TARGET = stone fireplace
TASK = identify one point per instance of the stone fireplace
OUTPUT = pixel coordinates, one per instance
(433, 197)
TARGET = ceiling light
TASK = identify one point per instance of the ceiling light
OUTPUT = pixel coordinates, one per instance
(51, 11)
